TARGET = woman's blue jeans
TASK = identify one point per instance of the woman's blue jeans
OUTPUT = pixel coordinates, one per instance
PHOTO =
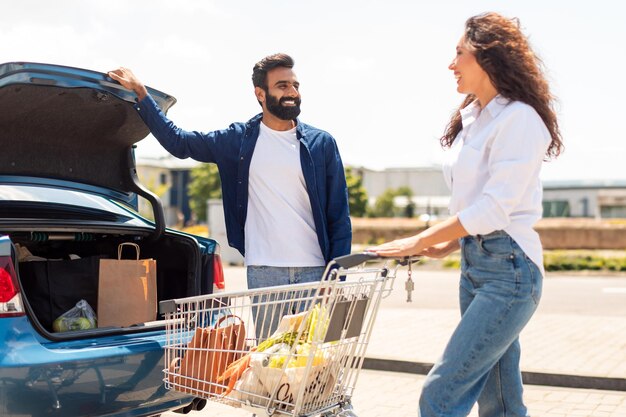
(266, 312)
(499, 292)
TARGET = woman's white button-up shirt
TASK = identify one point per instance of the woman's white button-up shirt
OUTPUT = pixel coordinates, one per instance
(493, 168)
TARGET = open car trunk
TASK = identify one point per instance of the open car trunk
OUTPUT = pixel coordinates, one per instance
(67, 161)
(63, 270)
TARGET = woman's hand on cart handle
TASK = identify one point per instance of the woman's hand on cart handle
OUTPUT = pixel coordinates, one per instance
(400, 248)
(426, 242)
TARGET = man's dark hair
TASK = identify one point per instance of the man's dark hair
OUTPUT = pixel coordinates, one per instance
(259, 72)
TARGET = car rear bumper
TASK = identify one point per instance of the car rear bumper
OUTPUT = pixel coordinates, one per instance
(105, 376)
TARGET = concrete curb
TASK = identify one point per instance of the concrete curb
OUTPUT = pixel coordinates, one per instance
(531, 378)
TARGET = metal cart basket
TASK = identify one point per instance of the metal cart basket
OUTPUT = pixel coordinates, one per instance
(291, 350)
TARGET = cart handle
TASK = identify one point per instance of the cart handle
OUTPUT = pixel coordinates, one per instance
(354, 259)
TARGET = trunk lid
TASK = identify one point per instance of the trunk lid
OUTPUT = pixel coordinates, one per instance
(61, 124)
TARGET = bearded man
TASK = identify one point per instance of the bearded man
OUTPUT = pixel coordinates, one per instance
(283, 184)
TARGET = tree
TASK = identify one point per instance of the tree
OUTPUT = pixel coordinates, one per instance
(357, 196)
(385, 206)
(205, 184)
(409, 209)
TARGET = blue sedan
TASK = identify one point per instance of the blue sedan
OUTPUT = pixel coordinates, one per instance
(68, 199)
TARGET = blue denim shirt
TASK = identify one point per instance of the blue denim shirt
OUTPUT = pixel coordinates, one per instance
(232, 148)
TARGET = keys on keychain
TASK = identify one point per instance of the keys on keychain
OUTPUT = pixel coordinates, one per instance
(409, 286)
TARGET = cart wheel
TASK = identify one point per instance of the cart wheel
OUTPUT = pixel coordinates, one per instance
(346, 411)
(339, 413)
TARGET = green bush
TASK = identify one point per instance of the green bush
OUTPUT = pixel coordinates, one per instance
(452, 263)
(571, 260)
(583, 261)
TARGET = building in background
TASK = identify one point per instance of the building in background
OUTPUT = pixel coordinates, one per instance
(167, 177)
(580, 198)
(594, 198)
(430, 192)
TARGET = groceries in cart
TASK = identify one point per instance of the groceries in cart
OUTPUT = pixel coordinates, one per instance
(291, 350)
(285, 363)
(215, 361)
(208, 354)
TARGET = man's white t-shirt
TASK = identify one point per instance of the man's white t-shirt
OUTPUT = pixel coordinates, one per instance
(279, 229)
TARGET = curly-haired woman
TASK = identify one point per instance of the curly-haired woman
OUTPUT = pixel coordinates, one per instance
(497, 141)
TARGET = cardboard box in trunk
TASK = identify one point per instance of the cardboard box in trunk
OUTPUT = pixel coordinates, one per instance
(126, 290)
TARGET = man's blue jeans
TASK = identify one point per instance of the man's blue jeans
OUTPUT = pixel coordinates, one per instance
(499, 292)
(266, 312)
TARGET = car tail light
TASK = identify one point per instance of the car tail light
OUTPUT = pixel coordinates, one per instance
(10, 299)
(218, 272)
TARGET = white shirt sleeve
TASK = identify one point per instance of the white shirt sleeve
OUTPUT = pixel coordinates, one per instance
(518, 147)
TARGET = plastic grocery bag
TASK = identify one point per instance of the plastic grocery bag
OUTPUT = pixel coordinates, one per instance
(248, 389)
(79, 317)
(318, 382)
(289, 364)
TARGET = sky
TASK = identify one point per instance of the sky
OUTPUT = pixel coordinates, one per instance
(373, 73)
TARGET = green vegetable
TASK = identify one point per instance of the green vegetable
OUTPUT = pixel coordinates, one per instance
(81, 323)
(288, 338)
(59, 325)
(319, 315)
(64, 324)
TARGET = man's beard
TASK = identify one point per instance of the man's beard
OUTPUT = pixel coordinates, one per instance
(276, 107)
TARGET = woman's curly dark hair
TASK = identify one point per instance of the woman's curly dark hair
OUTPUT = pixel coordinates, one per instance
(503, 52)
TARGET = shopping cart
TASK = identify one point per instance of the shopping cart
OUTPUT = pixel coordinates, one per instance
(288, 350)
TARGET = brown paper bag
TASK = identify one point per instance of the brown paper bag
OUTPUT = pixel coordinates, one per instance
(126, 290)
(207, 356)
